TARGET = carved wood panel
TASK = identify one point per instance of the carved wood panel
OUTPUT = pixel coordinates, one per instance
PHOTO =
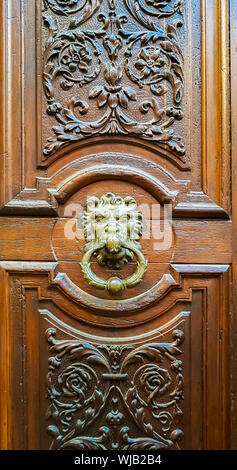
(94, 391)
(99, 386)
(124, 101)
(139, 53)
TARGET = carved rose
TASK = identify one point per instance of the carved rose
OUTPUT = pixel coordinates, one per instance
(149, 62)
(77, 56)
(154, 381)
(113, 44)
(74, 381)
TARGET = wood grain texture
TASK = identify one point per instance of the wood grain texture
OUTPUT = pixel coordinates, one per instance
(233, 328)
(195, 241)
(51, 76)
(215, 102)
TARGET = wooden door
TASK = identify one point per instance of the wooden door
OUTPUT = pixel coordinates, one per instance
(115, 238)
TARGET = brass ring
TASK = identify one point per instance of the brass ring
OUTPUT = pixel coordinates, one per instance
(114, 284)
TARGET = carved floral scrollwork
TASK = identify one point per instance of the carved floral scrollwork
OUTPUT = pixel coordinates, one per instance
(93, 390)
(78, 61)
(120, 62)
(145, 10)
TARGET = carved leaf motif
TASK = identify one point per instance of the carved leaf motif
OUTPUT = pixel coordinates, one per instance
(87, 443)
(82, 443)
(153, 352)
(83, 351)
(142, 443)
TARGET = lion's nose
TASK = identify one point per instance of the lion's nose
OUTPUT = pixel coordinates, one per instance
(113, 242)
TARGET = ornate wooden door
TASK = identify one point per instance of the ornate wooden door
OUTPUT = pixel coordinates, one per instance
(115, 238)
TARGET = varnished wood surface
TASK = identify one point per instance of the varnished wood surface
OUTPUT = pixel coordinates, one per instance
(195, 241)
(186, 303)
(233, 327)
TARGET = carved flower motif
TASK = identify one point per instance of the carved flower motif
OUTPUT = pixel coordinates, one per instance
(74, 381)
(113, 93)
(77, 57)
(154, 381)
(149, 62)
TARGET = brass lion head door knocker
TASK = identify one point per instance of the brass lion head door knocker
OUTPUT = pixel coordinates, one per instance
(112, 229)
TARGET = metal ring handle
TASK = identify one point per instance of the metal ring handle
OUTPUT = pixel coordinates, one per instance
(114, 285)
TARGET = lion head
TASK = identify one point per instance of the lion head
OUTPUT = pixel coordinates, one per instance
(110, 221)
